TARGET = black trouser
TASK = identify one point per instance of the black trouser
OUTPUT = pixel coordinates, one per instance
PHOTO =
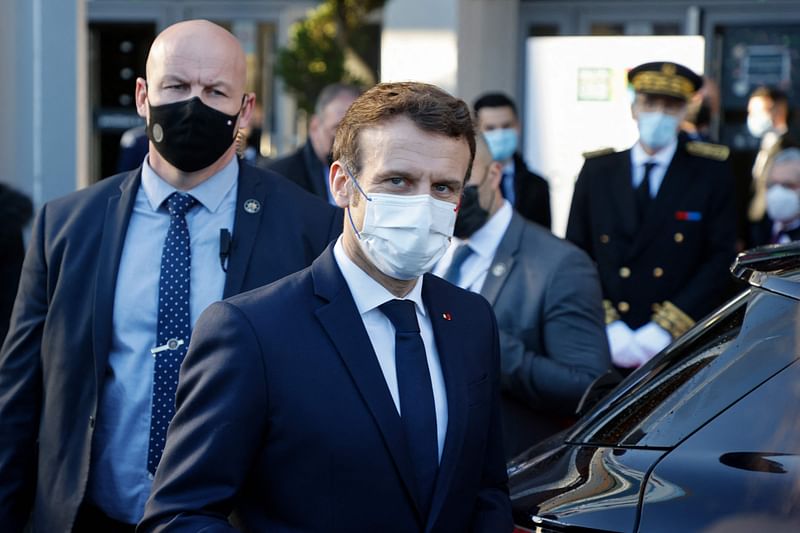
(92, 520)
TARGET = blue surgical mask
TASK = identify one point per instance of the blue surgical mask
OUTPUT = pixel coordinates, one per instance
(502, 143)
(656, 129)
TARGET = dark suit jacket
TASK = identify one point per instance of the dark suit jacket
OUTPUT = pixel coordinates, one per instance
(532, 194)
(303, 168)
(284, 417)
(53, 362)
(681, 250)
(546, 295)
(15, 213)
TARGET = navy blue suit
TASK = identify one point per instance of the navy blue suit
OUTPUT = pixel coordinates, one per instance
(284, 418)
(53, 362)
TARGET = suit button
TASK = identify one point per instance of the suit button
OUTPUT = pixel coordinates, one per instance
(624, 272)
(604, 238)
(658, 272)
(679, 237)
(624, 307)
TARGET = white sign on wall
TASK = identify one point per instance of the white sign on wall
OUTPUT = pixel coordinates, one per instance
(577, 100)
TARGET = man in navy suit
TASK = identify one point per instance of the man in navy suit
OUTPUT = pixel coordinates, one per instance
(358, 394)
(86, 378)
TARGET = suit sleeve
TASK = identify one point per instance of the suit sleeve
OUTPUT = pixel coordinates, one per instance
(707, 287)
(21, 386)
(219, 424)
(573, 333)
(492, 512)
(579, 223)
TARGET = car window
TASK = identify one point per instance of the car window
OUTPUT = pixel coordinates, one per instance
(738, 348)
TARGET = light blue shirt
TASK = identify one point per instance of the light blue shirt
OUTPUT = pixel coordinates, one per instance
(368, 295)
(662, 159)
(119, 482)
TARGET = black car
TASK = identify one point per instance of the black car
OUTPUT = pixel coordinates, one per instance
(704, 437)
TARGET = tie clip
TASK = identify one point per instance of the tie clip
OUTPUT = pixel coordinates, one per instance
(172, 344)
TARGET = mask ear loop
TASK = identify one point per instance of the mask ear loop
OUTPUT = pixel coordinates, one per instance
(349, 215)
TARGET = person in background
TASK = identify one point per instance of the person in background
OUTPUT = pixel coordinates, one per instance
(767, 120)
(528, 193)
(658, 220)
(310, 164)
(783, 196)
(546, 295)
(15, 213)
(360, 394)
(114, 279)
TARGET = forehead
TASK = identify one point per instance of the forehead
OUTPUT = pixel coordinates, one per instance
(759, 103)
(785, 172)
(658, 99)
(205, 60)
(336, 108)
(495, 116)
(400, 146)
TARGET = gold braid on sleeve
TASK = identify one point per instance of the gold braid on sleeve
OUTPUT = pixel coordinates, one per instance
(671, 318)
(611, 312)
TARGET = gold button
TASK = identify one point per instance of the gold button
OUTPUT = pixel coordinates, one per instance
(658, 272)
(623, 307)
(624, 272)
(679, 237)
(604, 238)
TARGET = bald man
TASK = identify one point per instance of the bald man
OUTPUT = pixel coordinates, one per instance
(115, 277)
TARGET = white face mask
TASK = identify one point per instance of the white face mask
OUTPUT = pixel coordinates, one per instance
(404, 236)
(783, 205)
(758, 124)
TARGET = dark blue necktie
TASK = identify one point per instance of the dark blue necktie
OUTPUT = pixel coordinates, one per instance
(174, 327)
(507, 187)
(643, 196)
(453, 272)
(417, 408)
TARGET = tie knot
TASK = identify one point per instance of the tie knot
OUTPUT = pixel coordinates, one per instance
(402, 314)
(179, 203)
(650, 165)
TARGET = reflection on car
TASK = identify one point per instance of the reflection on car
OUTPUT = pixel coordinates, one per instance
(704, 437)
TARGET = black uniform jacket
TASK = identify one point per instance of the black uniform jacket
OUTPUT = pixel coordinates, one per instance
(672, 267)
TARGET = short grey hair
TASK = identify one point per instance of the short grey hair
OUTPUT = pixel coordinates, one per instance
(331, 92)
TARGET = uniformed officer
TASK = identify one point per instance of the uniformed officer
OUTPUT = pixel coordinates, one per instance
(658, 219)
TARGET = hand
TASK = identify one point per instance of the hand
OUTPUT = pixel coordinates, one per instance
(625, 351)
(652, 338)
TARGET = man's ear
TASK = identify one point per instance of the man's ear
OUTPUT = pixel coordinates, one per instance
(141, 97)
(338, 179)
(495, 174)
(247, 110)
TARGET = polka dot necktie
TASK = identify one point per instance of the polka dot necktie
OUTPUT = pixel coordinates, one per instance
(174, 327)
(417, 408)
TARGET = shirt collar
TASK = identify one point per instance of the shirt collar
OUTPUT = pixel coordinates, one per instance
(662, 158)
(485, 241)
(209, 193)
(367, 293)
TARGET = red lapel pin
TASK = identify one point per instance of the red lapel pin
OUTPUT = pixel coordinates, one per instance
(447, 316)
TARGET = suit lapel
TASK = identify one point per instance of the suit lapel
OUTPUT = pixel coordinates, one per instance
(315, 172)
(115, 226)
(503, 259)
(622, 197)
(250, 203)
(343, 324)
(676, 181)
(449, 344)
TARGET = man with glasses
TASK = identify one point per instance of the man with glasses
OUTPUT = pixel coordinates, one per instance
(658, 219)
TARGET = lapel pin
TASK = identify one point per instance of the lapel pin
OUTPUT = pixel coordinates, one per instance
(447, 316)
(252, 206)
(498, 270)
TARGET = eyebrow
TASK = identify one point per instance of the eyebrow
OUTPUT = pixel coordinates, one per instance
(410, 175)
(172, 78)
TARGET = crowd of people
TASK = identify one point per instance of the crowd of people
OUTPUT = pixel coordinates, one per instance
(357, 336)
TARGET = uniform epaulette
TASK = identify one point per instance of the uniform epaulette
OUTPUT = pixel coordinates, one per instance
(719, 152)
(596, 153)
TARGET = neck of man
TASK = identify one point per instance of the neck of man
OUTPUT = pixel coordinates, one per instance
(398, 287)
(184, 181)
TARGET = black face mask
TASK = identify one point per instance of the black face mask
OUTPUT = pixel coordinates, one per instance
(471, 216)
(189, 134)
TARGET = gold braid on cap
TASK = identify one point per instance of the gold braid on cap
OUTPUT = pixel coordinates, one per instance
(671, 318)
(663, 83)
(611, 312)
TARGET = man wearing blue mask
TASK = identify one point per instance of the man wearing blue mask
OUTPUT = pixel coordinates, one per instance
(360, 394)
(526, 191)
(658, 219)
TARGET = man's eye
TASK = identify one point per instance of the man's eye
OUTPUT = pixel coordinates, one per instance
(396, 181)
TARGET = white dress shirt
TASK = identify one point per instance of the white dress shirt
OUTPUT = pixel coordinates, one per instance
(368, 295)
(662, 159)
(484, 243)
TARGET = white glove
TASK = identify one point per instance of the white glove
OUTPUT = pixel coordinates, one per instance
(652, 338)
(625, 351)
